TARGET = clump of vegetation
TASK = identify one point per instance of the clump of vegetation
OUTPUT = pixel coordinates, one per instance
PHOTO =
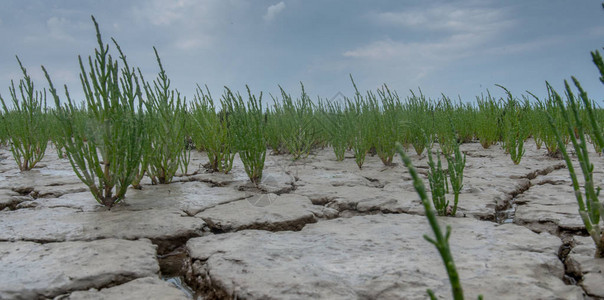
(456, 164)
(590, 208)
(441, 123)
(361, 123)
(437, 176)
(440, 240)
(211, 133)
(514, 127)
(416, 121)
(438, 183)
(335, 127)
(293, 123)
(105, 151)
(166, 126)
(487, 120)
(272, 131)
(246, 121)
(386, 123)
(26, 122)
(463, 121)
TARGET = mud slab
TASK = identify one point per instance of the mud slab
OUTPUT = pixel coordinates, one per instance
(266, 211)
(549, 207)
(343, 232)
(67, 224)
(138, 289)
(581, 259)
(381, 256)
(31, 270)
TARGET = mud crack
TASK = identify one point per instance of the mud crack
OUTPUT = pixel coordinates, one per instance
(193, 212)
(174, 267)
(218, 227)
(572, 270)
(546, 171)
(13, 202)
(211, 182)
(505, 210)
(199, 278)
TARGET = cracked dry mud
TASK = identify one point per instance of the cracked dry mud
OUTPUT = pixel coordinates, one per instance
(313, 228)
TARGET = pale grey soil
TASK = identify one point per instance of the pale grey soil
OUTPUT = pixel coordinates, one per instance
(314, 228)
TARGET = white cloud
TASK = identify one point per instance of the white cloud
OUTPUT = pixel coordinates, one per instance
(434, 37)
(537, 44)
(56, 27)
(163, 13)
(192, 43)
(190, 24)
(273, 11)
(448, 18)
(438, 35)
(450, 48)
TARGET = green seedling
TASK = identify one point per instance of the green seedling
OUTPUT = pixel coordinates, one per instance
(362, 124)
(246, 123)
(105, 152)
(334, 124)
(416, 120)
(514, 127)
(590, 208)
(487, 117)
(211, 133)
(166, 113)
(26, 122)
(294, 120)
(456, 164)
(386, 120)
(440, 240)
(438, 183)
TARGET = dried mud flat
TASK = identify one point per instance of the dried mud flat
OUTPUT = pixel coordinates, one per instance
(315, 228)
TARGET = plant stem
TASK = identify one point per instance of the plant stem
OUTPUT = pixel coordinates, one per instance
(442, 241)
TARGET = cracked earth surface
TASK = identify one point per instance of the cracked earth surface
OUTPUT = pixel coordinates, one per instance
(313, 228)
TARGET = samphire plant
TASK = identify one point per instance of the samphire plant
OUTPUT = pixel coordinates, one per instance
(26, 122)
(362, 125)
(211, 133)
(590, 208)
(334, 124)
(440, 240)
(487, 117)
(386, 123)
(295, 123)
(272, 131)
(514, 129)
(147, 151)
(166, 113)
(437, 177)
(246, 123)
(542, 131)
(416, 121)
(456, 164)
(442, 122)
(106, 152)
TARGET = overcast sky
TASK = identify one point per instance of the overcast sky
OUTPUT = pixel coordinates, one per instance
(458, 48)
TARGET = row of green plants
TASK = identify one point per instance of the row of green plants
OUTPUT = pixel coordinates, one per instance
(368, 123)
